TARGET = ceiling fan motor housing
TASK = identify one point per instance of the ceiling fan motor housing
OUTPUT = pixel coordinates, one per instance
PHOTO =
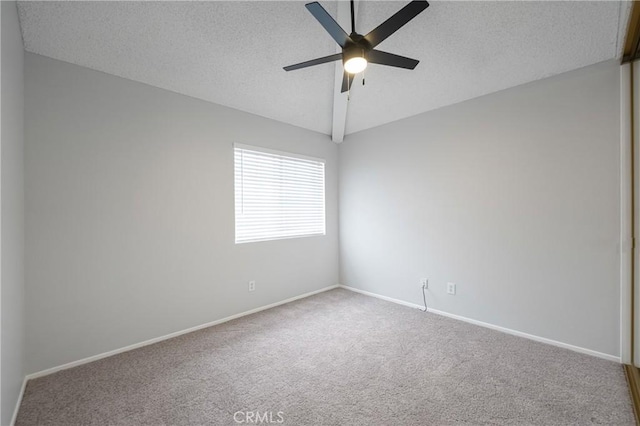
(359, 47)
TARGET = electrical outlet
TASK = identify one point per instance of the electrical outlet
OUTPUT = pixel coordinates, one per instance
(252, 285)
(451, 288)
(424, 283)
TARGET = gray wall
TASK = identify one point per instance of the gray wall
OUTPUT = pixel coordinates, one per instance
(130, 214)
(513, 197)
(11, 212)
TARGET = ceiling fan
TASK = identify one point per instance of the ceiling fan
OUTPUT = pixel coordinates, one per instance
(358, 50)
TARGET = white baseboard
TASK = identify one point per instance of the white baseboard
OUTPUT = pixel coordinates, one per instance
(20, 395)
(491, 326)
(169, 336)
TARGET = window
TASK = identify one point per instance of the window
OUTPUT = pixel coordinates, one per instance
(278, 195)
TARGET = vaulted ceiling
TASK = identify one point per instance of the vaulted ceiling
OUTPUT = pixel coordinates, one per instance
(232, 53)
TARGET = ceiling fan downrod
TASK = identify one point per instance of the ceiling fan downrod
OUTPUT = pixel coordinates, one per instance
(353, 19)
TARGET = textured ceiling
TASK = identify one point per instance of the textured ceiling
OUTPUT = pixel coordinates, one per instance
(232, 53)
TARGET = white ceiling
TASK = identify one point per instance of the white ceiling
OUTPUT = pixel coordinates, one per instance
(232, 53)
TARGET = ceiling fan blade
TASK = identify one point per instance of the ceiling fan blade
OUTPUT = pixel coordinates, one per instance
(393, 24)
(347, 81)
(328, 23)
(313, 62)
(384, 58)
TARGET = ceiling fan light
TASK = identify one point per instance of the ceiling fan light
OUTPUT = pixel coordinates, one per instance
(355, 65)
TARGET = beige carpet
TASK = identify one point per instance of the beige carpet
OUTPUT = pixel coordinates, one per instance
(337, 358)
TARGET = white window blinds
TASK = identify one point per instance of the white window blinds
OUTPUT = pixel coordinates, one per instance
(278, 195)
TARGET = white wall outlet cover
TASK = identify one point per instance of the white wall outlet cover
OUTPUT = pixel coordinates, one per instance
(451, 288)
(252, 285)
(424, 282)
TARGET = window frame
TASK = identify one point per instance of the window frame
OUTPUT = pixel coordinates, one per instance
(289, 155)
